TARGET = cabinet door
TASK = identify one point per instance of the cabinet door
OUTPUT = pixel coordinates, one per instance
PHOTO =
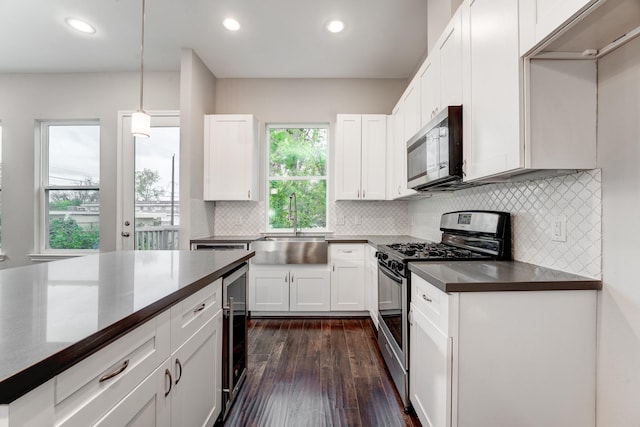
(411, 106)
(430, 87)
(310, 290)
(230, 157)
(430, 374)
(270, 290)
(347, 277)
(399, 143)
(450, 59)
(146, 405)
(196, 395)
(493, 142)
(374, 146)
(348, 156)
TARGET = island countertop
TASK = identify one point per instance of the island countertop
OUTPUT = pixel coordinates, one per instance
(52, 315)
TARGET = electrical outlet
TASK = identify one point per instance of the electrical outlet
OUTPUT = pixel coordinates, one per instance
(559, 229)
(340, 220)
(239, 220)
(357, 220)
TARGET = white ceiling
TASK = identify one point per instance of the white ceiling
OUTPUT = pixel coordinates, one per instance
(278, 38)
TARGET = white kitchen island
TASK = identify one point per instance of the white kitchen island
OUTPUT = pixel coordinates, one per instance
(114, 338)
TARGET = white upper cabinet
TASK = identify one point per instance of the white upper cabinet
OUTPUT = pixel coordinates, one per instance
(521, 115)
(411, 106)
(441, 73)
(491, 103)
(361, 143)
(429, 75)
(541, 18)
(399, 146)
(450, 59)
(231, 157)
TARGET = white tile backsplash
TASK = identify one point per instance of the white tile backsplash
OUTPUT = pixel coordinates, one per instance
(533, 206)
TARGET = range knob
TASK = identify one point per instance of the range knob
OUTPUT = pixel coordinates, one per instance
(393, 265)
(399, 267)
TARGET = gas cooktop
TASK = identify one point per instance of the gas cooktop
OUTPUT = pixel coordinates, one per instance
(466, 235)
(432, 250)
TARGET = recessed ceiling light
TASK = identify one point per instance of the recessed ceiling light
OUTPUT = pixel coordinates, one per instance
(231, 24)
(81, 26)
(335, 26)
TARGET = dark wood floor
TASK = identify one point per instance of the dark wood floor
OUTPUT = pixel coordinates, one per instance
(316, 372)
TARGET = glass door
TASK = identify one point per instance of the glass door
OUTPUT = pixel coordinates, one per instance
(149, 176)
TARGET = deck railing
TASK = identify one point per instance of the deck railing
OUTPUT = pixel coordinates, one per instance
(157, 237)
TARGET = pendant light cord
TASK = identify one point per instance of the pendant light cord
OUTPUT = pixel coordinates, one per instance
(142, 57)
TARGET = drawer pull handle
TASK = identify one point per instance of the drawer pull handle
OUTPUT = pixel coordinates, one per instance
(179, 373)
(424, 297)
(115, 373)
(347, 252)
(167, 373)
(199, 308)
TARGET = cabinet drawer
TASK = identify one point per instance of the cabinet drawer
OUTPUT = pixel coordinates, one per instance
(431, 301)
(90, 388)
(346, 251)
(193, 312)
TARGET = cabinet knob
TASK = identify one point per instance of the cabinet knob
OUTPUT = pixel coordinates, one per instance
(248, 194)
(167, 374)
(363, 194)
(179, 373)
(424, 297)
(358, 193)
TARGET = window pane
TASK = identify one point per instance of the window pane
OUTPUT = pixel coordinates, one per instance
(73, 219)
(74, 154)
(311, 198)
(157, 189)
(297, 152)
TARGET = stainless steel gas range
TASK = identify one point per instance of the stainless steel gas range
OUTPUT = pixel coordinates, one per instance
(466, 235)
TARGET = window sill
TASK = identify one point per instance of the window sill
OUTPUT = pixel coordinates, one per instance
(54, 257)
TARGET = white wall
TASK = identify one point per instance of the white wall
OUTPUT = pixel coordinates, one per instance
(197, 98)
(26, 98)
(619, 316)
(307, 101)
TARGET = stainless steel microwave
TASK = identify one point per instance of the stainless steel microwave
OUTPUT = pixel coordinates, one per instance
(434, 154)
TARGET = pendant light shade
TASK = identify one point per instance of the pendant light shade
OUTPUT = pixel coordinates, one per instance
(140, 121)
(140, 124)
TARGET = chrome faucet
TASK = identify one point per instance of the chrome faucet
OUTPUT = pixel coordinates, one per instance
(293, 213)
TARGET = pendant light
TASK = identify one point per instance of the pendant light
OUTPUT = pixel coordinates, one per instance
(140, 121)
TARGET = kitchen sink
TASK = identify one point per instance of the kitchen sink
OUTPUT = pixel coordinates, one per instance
(293, 238)
(275, 250)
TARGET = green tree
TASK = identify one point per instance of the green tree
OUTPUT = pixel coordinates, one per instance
(65, 233)
(146, 185)
(301, 154)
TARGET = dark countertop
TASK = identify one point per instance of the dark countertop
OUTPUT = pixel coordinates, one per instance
(52, 315)
(486, 276)
(374, 240)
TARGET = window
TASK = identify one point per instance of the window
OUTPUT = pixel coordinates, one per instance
(70, 186)
(297, 164)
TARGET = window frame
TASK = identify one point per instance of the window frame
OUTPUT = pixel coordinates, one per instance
(44, 189)
(268, 178)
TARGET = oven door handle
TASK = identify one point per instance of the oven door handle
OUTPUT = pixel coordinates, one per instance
(390, 274)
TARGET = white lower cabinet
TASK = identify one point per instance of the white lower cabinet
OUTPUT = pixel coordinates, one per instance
(166, 372)
(304, 288)
(145, 406)
(371, 283)
(486, 359)
(196, 393)
(347, 277)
